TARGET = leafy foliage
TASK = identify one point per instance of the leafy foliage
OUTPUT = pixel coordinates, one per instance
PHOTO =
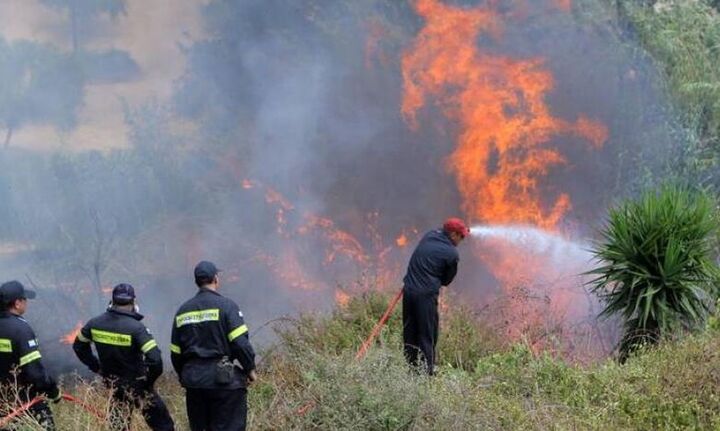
(301, 387)
(657, 268)
(38, 84)
(683, 37)
(83, 13)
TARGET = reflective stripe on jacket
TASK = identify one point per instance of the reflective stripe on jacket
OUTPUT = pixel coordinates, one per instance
(126, 349)
(19, 351)
(205, 329)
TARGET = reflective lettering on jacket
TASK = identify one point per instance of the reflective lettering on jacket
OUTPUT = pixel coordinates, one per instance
(194, 317)
(113, 338)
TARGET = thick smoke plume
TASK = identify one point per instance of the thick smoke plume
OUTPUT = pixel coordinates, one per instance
(279, 149)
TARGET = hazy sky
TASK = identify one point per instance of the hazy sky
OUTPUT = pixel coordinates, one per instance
(151, 32)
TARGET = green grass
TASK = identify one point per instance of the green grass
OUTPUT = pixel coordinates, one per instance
(483, 383)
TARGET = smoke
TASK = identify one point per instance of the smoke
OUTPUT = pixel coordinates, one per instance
(275, 146)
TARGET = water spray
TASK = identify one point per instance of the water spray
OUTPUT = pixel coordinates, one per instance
(551, 244)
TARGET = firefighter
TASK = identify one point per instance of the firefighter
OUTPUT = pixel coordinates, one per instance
(128, 360)
(20, 359)
(208, 336)
(433, 265)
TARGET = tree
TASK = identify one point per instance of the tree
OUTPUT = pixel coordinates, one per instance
(84, 12)
(657, 267)
(38, 85)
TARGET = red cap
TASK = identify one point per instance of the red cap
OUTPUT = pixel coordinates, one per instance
(456, 225)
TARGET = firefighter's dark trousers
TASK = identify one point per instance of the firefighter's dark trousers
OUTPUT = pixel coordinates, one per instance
(420, 328)
(154, 409)
(216, 409)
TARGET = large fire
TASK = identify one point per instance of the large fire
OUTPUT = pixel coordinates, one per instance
(298, 265)
(504, 149)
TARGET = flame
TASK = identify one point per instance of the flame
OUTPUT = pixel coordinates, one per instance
(342, 299)
(342, 254)
(340, 242)
(503, 152)
(69, 338)
(402, 240)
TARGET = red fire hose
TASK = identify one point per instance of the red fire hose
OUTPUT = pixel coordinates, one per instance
(376, 330)
(23, 408)
(88, 408)
(304, 409)
(365, 345)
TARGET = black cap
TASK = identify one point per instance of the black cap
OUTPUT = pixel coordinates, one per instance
(14, 290)
(205, 270)
(123, 294)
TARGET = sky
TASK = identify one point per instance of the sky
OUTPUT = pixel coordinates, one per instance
(152, 32)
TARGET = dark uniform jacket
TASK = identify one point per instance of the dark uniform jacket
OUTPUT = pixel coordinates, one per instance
(433, 264)
(207, 328)
(19, 351)
(126, 350)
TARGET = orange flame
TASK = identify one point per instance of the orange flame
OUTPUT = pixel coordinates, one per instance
(401, 241)
(293, 267)
(503, 150)
(342, 299)
(340, 242)
(69, 338)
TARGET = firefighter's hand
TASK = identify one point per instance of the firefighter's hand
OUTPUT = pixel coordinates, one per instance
(252, 377)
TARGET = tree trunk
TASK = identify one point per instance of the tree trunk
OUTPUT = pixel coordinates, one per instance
(74, 25)
(8, 136)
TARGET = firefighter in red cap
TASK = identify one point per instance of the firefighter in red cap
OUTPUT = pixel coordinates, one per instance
(433, 264)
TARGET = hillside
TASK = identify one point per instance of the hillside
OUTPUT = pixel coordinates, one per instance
(310, 380)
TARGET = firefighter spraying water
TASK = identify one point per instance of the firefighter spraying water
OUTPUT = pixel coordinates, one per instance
(432, 265)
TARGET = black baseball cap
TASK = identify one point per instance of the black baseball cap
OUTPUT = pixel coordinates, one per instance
(123, 294)
(205, 270)
(14, 290)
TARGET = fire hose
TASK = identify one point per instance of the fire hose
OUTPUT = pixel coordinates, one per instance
(301, 411)
(366, 344)
(67, 397)
(378, 326)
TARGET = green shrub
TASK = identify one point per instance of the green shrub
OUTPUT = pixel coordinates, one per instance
(657, 267)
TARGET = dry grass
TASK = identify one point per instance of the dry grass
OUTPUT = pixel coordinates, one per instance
(310, 380)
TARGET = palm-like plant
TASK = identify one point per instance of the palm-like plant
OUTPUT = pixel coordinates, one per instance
(657, 267)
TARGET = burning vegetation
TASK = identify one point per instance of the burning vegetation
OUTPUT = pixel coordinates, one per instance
(306, 150)
(504, 156)
(308, 162)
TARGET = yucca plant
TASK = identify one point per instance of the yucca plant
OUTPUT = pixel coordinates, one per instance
(657, 265)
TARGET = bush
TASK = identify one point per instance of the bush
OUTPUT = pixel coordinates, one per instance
(657, 265)
(309, 382)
